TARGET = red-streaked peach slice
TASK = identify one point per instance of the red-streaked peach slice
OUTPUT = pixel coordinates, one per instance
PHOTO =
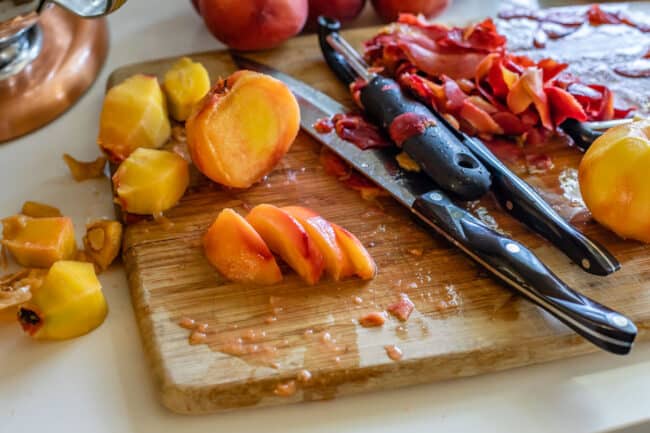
(242, 128)
(288, 238)
(322, 232)
(363, 264)
(238, 252)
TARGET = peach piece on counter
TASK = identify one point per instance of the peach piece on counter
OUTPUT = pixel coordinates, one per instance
(134, 115)
(35, 209)
(287, 237)
(389, 10)
(321, 231)
(102, 242)
(238, 252)
(253, 24)
(242, 129)
(362, 263)
(82, 170)
(68, 303)
(39, 242)
(613, 176)
(185, 84)
(151, 181)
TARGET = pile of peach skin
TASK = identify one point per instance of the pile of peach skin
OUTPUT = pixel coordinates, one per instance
(236, 132)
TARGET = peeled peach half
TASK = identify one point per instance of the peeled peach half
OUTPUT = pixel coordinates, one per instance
(242, 129)
(238, 252)
(39, 242)
(185, 84)
(323, 235)
(68, 303)
(614, 181)
(362, 263)
(287, 237)
(134, 115)
(151, 181)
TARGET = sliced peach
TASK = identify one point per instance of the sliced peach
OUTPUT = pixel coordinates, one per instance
(363, 264)
(233, 246)
(242, 129)
(288, 238)
(322, 232)
(151, 181)
(134, 115)
(39, 242)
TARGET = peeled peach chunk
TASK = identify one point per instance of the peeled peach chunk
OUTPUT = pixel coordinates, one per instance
(238, 252)
(35, 209)
(242, 129)
(102, 242)
(185, 84)
(68, 304)
(39, 242)
(151, 181)
(286, 236)
(362, 263)
(614, 182)
(322, 233)
(134, 115)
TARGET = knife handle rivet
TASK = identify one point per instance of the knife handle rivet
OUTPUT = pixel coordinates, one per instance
(435, 196)
(513, 248)
(617, 320)
(585, 263)
(509, 205)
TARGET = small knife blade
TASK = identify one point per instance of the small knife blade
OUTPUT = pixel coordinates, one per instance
(507, 260)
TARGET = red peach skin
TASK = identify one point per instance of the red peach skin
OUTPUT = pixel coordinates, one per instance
(253, 24)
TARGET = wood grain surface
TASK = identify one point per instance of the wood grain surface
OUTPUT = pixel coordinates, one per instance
(262, 340)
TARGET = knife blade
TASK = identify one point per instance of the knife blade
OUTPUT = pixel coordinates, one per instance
(507, 260)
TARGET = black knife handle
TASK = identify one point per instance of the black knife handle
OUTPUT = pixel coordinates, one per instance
(438, 152)
(514, 264)
(525, 204)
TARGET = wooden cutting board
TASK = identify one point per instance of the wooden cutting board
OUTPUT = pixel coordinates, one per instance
(264, 339)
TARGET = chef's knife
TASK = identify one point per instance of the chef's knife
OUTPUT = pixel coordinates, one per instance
(384, 101)
(507, 260)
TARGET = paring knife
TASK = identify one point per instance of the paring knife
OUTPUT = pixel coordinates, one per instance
(507, 260)
(383, 100)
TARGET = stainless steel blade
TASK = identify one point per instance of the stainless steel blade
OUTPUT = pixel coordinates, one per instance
(378, 165)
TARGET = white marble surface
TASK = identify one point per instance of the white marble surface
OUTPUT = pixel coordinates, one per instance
(100, 383)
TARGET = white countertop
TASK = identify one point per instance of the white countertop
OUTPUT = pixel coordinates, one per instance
(101, 383)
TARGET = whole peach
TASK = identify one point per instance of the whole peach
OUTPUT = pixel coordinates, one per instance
(389, 10)
(342, 10)
(253, 24)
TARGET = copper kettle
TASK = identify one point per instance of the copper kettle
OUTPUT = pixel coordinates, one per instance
(49, 55)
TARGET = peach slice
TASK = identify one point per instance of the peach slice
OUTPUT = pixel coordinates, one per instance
(35, 209)
(39, 242)
(151, 181)
(321, 231)
(233, 246)
(288, 238)
(242, 129)
(363, 264)
(134, 115)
